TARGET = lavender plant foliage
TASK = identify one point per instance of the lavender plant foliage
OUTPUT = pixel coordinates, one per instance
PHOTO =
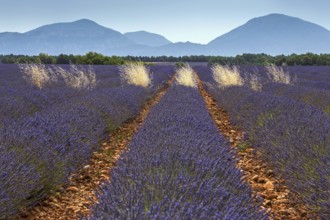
(40, 150)
(312, 76)
(18, 100)
(318, 98)
(292, 136)
(317, 77)
(310, 86)
(177, 166)
(204, 72)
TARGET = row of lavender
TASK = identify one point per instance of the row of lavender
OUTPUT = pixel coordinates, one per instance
(177, 166)
(310, 76)
(311, 86)
(292, 135)
(40, 150)
(23, 100)
(312, 91)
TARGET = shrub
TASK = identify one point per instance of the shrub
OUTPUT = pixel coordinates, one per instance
(180, 64)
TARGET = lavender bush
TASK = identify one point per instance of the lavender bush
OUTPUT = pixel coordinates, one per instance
(177, 166)
(292, 136)
(318, 98)
(40, 150)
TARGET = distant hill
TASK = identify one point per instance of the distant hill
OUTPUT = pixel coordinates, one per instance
(147, 38)
(271, 34)
(77, 37)
(176, 49)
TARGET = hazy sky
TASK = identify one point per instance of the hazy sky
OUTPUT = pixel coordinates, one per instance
(198, 21)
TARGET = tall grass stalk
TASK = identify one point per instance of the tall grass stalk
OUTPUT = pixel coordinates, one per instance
(226, 76)
(38, 75)
(78, 77)
(277, 74)
(135, 74)
(255, 82)
(185, 76)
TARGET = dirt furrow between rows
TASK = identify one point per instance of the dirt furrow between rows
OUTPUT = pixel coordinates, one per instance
(268, 189)
(76, 199)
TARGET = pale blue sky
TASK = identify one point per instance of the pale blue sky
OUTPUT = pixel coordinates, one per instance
(198, 21)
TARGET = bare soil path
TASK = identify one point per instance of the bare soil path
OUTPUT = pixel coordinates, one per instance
(268, 189)
(76, 200)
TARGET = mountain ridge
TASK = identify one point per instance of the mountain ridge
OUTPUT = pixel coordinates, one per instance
(272, 34)
(147, 38)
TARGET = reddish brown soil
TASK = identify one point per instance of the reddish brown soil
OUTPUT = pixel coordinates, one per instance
(79, 196)
(268, 189)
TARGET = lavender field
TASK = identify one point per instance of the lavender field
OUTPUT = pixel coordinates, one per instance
(288, 122)
(177, 165)
(47, 134)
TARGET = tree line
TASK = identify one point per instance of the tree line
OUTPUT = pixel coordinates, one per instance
(91, 58)
(307, 59)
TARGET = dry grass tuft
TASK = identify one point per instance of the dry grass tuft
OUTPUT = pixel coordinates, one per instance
(185, 76)
(277, 74)
(135, 74)
(226, 76)
(255, 82)
(38, 75)
(78, 77)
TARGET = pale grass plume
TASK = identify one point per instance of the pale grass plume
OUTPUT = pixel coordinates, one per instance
(226, 76)
(135, 73)
(79, 78)
(255, 82)
(277, 74)
(185, 76)
(38, 75)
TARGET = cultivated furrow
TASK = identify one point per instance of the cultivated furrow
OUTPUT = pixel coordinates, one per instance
(177, 166)
(75, 200)
(267, 187)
